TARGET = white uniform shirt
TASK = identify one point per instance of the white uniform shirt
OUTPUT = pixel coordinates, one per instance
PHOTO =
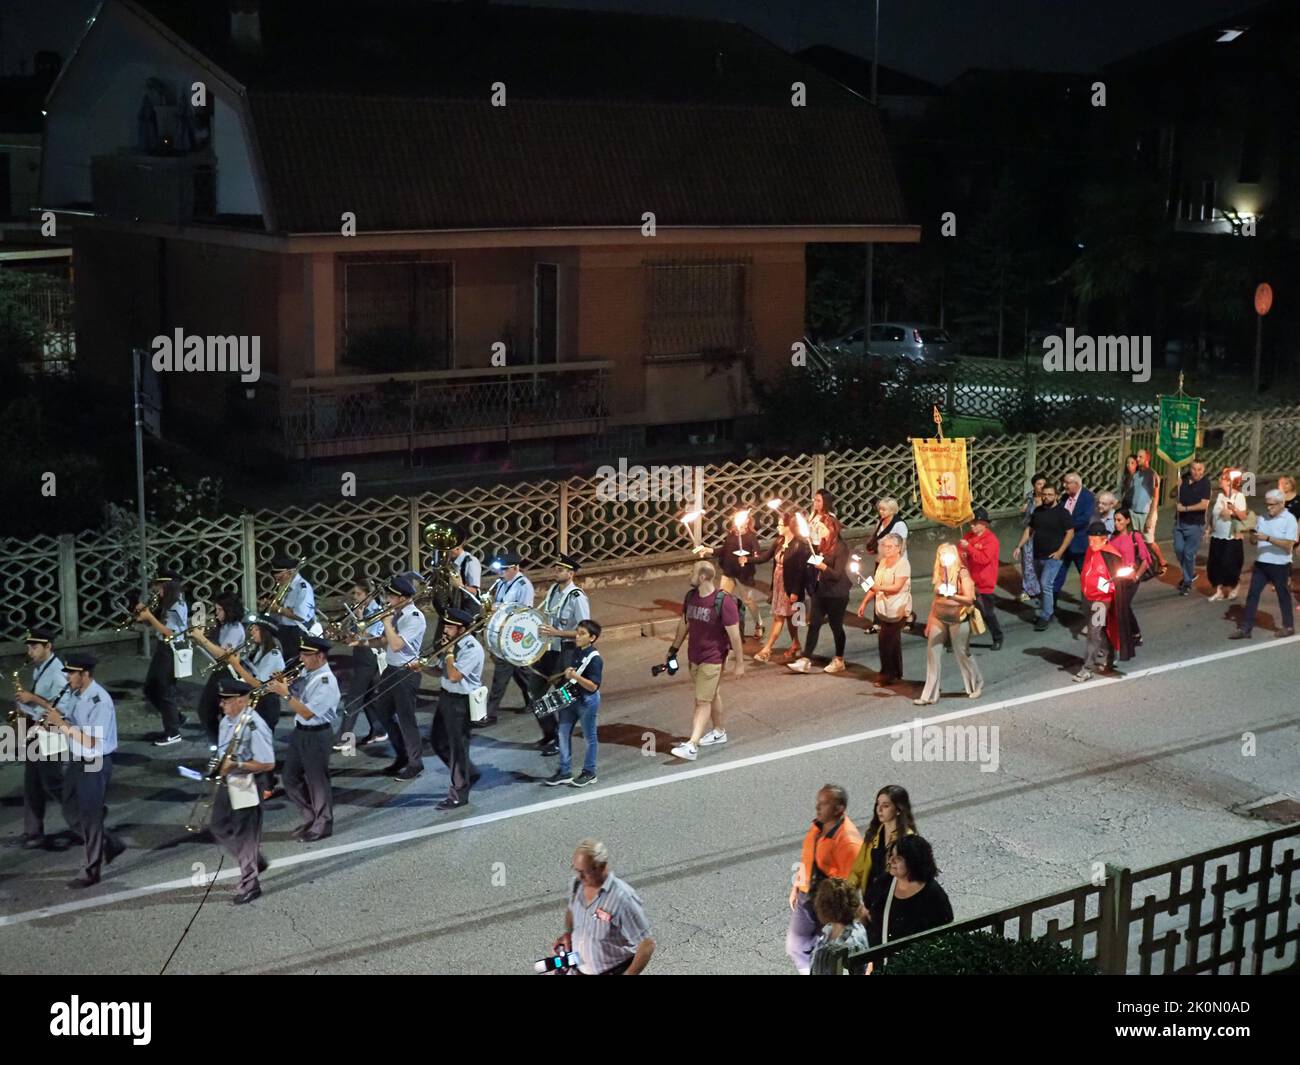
(301, 599)
(564, 608)
(469, 661)
(519, 589)
(319, 691)
(410, 624)
(92, 711)
(265, 664)
(255, 742)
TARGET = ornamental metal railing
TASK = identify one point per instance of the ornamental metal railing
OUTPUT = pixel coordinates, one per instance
(1233, 910)
(76, 582)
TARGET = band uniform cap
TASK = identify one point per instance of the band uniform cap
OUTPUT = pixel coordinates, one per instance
(79, 661)
(232, 687)
(283, 561)
(39, 635)
(401, 585)
(315, 643)
(266, 621)
(981, 515)
(460, 617)
(569, 563)
(1098, 528)
(166, 573)
(508, 558)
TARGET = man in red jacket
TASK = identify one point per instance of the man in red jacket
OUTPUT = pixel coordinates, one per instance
(1100, 565)
(979, 552)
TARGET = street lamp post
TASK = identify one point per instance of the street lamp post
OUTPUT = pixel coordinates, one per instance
(871, 248)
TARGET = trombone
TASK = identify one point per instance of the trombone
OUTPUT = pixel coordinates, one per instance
(133, 614)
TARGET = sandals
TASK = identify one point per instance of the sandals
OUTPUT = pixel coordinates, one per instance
(762, 656)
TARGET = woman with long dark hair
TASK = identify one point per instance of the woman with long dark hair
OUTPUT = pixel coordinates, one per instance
(890, 822)
(738, 568)
(160, 681)
(789, 557)
(264, 662)
(1136, 559)
(224, 635)
(828, 577)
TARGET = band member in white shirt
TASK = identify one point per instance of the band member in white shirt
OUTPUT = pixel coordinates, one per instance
(462, 672)
(404, 631)
(240, 831)
(297, 610)
(512, 588)
(564, 606)
(314, 702)
(160, 682)
(42, 777)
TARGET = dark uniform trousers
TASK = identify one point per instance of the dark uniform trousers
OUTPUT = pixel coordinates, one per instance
(210, 705)
(160, 689)
(502, 673)
(450, 739)
(290, 638)
(85, 786)
(397, 712)
(42, 783)
(240, 833)
(307, 775)
(361, 685)
(547, 666)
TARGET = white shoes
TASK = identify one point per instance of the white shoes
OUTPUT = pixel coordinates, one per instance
(836, 665)
(799, 665)
(713, 736)
(687, 751)
(1218, 594)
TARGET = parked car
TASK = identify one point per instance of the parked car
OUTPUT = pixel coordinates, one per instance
(925, 345)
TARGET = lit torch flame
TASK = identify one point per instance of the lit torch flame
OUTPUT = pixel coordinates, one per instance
(691, 515)
(1124, 571)
(774, 504)
(801, 523)
(739, 520)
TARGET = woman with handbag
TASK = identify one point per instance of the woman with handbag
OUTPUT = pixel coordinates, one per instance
(892, 592)
(910, 900)
(1136, 558)
(954, 602)
(1228, 518)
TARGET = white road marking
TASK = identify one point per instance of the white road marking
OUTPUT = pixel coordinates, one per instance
(642, 785)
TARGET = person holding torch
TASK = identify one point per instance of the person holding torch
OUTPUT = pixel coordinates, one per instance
(1100, 574)
(737, 560)
(954, 597)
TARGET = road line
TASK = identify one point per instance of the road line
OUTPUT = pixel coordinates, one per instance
(643, 785)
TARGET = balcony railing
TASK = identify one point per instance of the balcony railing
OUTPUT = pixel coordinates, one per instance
(322, 417)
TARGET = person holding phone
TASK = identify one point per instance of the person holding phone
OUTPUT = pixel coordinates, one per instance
(605, 921)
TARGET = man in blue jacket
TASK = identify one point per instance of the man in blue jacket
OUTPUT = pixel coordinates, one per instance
(1081, 505)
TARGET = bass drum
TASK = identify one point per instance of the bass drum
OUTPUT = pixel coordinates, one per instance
(514, 634)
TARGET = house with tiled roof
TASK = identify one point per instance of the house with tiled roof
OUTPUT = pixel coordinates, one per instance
(451, 223)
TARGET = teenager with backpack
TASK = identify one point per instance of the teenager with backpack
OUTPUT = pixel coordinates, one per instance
(710, 625)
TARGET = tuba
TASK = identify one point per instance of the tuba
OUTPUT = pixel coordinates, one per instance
(442, 536)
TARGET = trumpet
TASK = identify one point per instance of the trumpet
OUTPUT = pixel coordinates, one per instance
(133, 615)
(288, 676)
(242, 651)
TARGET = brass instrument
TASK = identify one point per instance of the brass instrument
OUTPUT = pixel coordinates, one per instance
(242, 651)
(276, 600)
(288, 676)
(442, 536)
(15, 715)
(133, 616)
(202, 809)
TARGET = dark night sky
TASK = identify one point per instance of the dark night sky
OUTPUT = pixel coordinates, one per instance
(934, 39)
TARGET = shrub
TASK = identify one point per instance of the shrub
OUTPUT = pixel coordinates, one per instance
(986, 954)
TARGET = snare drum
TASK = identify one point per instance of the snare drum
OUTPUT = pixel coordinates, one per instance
(514, 634)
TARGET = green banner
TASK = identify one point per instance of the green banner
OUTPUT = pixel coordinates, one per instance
(1179, 417)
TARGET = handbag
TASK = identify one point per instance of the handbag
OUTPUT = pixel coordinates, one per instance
(1137, 553)
(976, 619)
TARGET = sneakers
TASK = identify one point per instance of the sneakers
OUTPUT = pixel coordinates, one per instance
(1240, 634)
(1041, 625)
(167, 741)
(557, 778)
(686, 751)
(1082, 675)
(1025, 597)
(799, 665)
(836, 665)
(1277, 635)
(381, 738)
(713, 736)
(583, 779)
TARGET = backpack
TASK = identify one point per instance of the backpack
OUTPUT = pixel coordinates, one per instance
(718, 597)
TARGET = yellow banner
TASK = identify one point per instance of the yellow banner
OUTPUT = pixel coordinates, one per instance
(944, 479)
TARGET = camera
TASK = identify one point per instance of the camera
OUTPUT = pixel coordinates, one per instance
(670, 664)
(558, 963)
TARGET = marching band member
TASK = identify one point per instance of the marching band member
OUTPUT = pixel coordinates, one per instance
(240, 831)
(564, 606)
(160, 682)
(366, 648)
(512, 588)
(462, 670)
(42, 777)
(90, 725)
(265, 661)
(466, 578)
(404, 631)
(315, 705)
(586, 673)
(297, 609)
(227, 634)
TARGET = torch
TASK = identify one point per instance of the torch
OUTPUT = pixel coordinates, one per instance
(947, 559)
(690, 520)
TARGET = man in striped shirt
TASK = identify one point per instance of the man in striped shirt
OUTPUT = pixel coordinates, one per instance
(605, 922)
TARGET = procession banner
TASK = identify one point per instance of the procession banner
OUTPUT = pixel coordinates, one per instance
(1179, 417)
(944, 478)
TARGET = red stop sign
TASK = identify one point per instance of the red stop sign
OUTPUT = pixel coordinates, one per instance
(1263, 299)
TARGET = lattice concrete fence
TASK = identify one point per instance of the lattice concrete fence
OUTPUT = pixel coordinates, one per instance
(77, 583)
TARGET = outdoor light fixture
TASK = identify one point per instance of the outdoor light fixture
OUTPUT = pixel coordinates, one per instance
(1230, 35)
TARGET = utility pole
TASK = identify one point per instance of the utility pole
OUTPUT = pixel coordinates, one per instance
(871, 247)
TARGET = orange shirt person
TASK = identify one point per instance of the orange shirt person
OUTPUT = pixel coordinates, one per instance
(830, 848)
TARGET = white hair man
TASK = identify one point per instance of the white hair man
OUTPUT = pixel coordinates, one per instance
(1274, 536)
(605, 921)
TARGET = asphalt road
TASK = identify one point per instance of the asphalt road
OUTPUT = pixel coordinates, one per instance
(1137, 770)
